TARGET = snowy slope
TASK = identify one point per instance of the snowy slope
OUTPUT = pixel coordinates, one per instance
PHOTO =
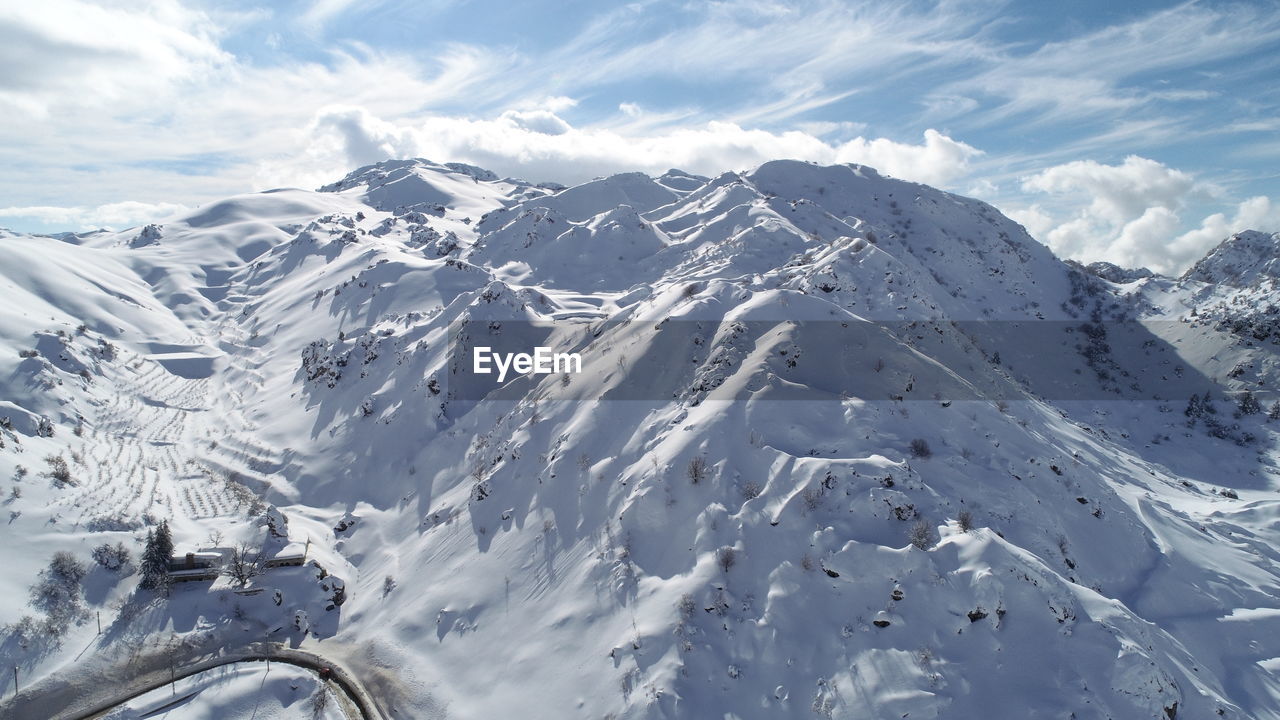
(252, 690)
(786, 371)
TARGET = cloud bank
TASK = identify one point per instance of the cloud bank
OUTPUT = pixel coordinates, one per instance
(538, 144)
(1131, 213)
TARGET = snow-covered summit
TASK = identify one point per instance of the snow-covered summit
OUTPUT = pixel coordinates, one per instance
(1116, 274)
(1241, 260)
(418, 184)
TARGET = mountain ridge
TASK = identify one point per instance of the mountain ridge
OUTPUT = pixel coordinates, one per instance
(845, 445)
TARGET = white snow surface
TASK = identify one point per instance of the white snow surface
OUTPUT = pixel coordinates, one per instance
(284, 356)
(247, 691)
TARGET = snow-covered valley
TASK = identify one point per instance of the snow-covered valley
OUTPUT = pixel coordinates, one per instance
(843, 446)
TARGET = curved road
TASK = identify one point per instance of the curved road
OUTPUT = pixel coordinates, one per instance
(90, 696)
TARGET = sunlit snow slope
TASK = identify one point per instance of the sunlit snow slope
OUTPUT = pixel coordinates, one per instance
(791, 373)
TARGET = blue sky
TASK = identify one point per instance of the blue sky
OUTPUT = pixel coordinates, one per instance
(1140, 132)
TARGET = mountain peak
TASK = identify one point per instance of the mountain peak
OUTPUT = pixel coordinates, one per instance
(1116, 274)
(420, 184)
(1241, 260)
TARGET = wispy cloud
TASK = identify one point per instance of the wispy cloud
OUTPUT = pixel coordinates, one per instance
(1109, 71)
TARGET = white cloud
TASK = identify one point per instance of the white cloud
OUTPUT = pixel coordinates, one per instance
(1034, 218)
(541, 145)
(939, 161)
(112, 216)
(557, 103)
(66, 52)
(1143, 238)
(1117, 193)
(537, 121)
(1130, 213)
(362, 138)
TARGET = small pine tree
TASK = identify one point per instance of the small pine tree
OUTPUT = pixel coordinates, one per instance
(1274, 412)
(164, 541)
(155, 559)
(152, 572)
(1194, 407)
(1249, 404)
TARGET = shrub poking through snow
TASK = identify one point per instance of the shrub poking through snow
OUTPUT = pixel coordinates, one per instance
(920, 448)
(113, 557)
(58, 471)
(965, 520)
(698, 470)
(686, 606)
(922, 535)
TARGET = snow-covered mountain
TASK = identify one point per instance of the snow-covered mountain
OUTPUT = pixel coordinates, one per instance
(842, 446)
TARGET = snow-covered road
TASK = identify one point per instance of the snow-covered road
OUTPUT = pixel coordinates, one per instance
(82, 698)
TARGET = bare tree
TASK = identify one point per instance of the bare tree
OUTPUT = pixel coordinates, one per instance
(698, 470)
(113, 557)
(922, 535)
(726, 557)
(242, 567)
(58, 471)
